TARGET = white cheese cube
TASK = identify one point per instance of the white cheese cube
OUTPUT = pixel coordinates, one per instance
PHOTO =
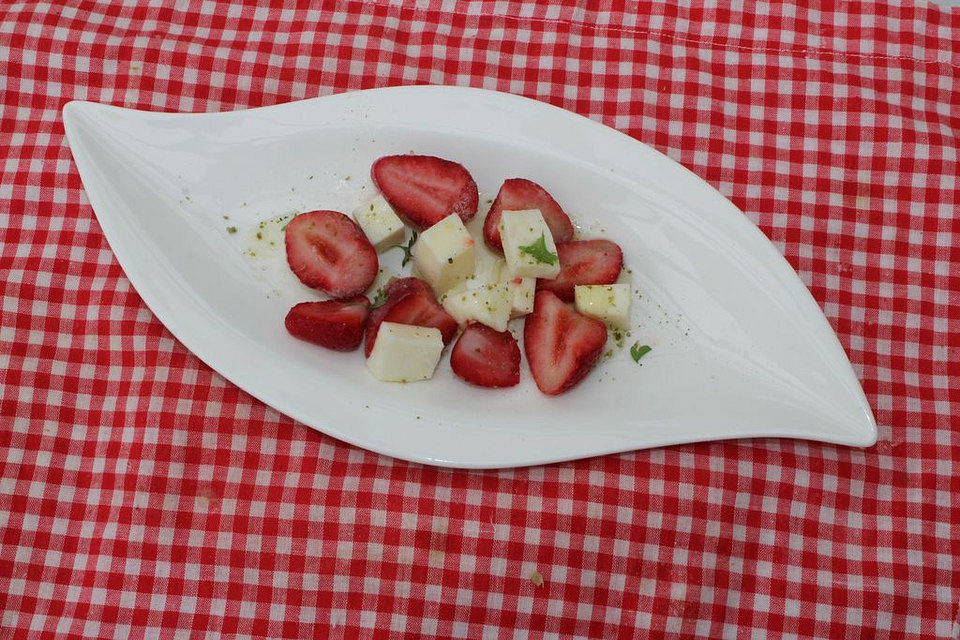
(444, 254)
(524, 229)
(379, 223)
(490, 304)
(607, 302)
(405, 353)
(489, 267)
(522, 291)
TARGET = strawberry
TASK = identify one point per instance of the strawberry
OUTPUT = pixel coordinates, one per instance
(584, 262)
(425, 189)
(334, 324)
(486, 357)
(410, 301)
(402, 286)
(518, 194)
(562, 346)
(328, 251)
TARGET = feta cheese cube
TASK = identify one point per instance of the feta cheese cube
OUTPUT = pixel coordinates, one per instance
(444, 254)
(490, 304)
(607, 302)
(522, 291)
(489, 267)
(524, 229)
(380, 224)
(405, 353)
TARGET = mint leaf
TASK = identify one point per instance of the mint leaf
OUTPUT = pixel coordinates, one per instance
(637, 351)
(539, 251)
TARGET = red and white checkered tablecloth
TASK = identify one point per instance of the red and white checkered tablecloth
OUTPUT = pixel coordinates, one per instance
(143, 495)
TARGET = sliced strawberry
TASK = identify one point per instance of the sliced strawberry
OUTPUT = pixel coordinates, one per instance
(584, 262)
(425, 189)
(328, 251)
(518, 194)
(410, 301)
(486, 357)
(402, 286)
(398, 288)
(422, 311)
(562, 346)
(334, 324)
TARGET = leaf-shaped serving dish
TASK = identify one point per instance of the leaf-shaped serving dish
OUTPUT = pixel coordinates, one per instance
(740, 348)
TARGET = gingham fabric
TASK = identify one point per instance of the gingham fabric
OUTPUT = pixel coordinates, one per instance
(142, 495)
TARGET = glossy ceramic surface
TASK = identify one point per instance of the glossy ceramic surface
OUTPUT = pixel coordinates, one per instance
(740, 348)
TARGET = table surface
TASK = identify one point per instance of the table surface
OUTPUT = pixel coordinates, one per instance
(142, 494)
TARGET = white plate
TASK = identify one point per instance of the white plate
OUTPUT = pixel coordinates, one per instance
(740, 348)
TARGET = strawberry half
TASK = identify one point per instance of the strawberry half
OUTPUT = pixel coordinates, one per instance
(485, 357)
(562, 346)
(518, 194)
(334, 324)
(410, 301)
(584, 262)
(401, 286)
(424, 190)
(328, 251)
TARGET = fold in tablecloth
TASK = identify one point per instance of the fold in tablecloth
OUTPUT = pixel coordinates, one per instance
(142, 494)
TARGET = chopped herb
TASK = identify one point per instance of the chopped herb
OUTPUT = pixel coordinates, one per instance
(231, 229)
(407, 250)
(371, 207)
(449, 260)
(380, 298)
(259, 236)
(539, 251)
(637, 351)
(347, 178)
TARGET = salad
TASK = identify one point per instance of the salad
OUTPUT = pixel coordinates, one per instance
(566, 291)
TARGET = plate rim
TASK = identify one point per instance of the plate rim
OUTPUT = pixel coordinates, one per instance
(73, 110)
